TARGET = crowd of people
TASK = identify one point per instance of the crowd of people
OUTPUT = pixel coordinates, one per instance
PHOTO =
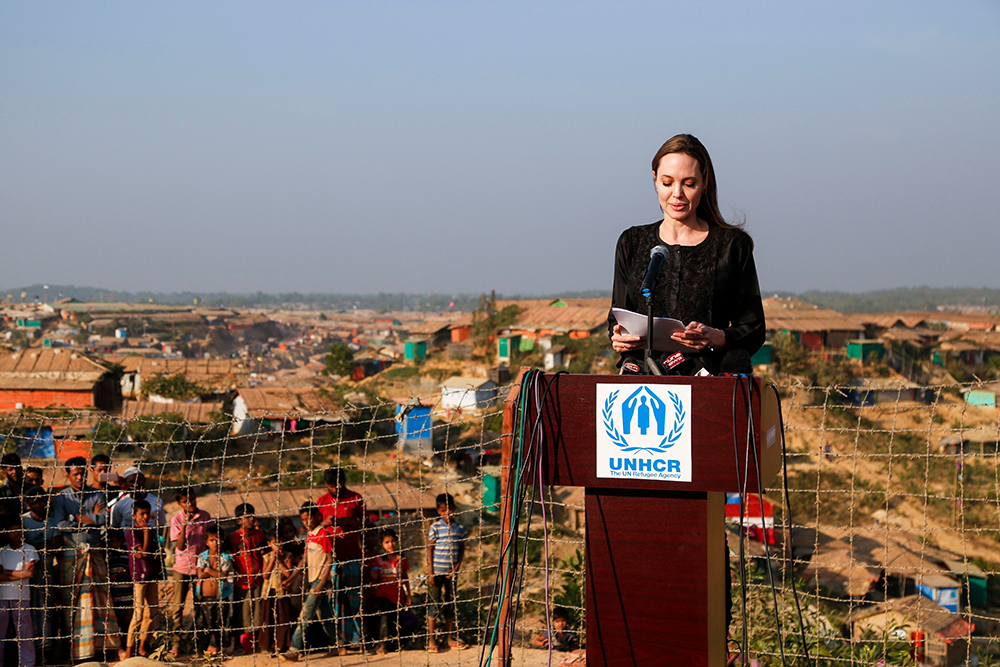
(87, 564)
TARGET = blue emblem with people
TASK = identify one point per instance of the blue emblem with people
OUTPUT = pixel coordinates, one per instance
(643, 420)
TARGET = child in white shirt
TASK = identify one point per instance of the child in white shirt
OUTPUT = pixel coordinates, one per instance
(17, 565)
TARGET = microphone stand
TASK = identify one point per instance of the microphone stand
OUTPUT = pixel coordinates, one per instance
(652, 367)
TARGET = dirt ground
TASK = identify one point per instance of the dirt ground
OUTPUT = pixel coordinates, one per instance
(414, 658)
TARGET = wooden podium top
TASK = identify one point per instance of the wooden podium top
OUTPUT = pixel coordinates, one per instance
(570, 423)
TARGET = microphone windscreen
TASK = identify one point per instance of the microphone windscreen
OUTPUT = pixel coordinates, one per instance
(660, 250)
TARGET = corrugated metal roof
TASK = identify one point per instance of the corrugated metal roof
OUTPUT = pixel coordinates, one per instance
(48, 369)
(961, 346)
(915, 317)
(466, 383)
(290, 403)
(889, 320)
(215, 374)
(191, 413)
(929, 615)
(182, 317)
(563, 318)
(794, 315)
(190, 367)
(391, 496)
(40, 360)
(79, 382)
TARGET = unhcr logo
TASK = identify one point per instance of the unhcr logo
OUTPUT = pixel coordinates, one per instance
(644, 431)
(636, 412)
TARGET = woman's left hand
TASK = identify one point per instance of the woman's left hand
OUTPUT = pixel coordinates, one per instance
(623, 342)
(699, 336)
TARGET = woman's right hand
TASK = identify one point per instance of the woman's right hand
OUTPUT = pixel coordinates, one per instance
(623, 342)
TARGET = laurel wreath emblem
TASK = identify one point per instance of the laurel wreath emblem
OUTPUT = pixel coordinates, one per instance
(668, 441)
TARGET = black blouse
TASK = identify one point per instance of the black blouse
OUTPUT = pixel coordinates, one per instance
(714, 282)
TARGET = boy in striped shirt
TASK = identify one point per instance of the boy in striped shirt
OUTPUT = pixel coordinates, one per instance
(445, 550)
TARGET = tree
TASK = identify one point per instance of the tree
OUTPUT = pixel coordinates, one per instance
(157, 435)
(340, 360)
(487, 321)
(790, 356)
(832, 373)
(172, 386)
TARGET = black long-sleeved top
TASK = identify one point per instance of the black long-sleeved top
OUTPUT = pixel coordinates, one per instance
(714, 282)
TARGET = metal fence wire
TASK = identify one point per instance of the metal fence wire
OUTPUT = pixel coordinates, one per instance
(882, 540)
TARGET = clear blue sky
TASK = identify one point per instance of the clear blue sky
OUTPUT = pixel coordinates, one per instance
(468, 146)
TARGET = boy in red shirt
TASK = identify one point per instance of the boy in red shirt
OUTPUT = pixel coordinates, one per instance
(390, 574)
(318, 563)
(248, 545)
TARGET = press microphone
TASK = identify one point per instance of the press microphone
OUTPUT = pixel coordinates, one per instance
(656, 257)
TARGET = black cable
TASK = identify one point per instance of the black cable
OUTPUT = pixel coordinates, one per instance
(741, 558)
(788, 519)
(751, 446)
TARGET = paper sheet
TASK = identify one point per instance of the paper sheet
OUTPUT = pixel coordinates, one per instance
(634, 324)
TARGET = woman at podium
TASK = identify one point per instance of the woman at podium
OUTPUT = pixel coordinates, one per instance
(708, 281)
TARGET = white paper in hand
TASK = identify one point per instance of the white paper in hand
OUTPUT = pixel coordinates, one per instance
(634, 324)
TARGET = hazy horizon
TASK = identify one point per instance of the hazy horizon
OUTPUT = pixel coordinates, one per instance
(449, 147)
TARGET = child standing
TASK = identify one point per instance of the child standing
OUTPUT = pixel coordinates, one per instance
(187, 530)
(390, 573)
(17, 566)
(277, 621)
(213, 592)
(144, 562)
(248, 545)
(319, 561)
(445, 551)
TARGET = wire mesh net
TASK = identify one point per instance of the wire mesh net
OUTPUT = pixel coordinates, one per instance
(889, 532)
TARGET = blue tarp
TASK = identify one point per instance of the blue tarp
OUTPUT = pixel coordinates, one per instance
(36, 443)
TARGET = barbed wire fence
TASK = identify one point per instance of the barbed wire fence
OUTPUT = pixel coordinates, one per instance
(893, 499)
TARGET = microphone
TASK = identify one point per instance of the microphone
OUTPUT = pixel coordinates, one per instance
(656, 257)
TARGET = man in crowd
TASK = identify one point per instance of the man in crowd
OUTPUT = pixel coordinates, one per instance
(135, 489)
(343, 512)
(99, 465)
(33, 477)
(188, 530)
(40, 531)
(13, 488)
(79, 512)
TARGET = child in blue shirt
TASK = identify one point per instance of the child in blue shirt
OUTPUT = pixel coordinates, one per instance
(213, 592)
(445, 551)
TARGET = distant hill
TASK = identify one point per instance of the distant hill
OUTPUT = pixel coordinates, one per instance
(381, 301)
(903, 298)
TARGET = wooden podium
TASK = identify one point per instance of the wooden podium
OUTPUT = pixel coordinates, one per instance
(656, 554)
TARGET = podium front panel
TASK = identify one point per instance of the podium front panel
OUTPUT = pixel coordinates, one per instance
(655, 579)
